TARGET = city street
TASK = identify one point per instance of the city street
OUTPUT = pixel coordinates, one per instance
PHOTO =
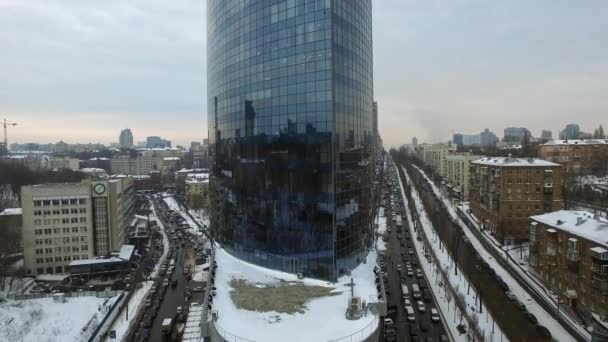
(398, 246)
(509, 314)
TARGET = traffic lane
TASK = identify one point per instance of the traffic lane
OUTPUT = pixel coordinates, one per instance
(173, 298)
(422, 318)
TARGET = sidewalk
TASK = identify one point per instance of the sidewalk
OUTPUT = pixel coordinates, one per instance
(521, 283)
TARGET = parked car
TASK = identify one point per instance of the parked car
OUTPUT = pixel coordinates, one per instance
(420, 306)
(434, 315)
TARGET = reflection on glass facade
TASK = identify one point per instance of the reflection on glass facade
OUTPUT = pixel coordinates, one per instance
(290, 127)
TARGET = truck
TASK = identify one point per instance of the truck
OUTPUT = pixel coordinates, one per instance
(166, 326)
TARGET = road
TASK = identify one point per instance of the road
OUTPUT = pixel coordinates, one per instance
(397, 253)
(508, 315)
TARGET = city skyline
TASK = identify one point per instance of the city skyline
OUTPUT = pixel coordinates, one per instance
(496, 69)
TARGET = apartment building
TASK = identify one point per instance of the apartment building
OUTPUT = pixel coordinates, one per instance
(197, 190)
(569, 252)
(137, 166)
(435, 156)
(577, 156)
(504, 192)
(457, 171)
(73, 221)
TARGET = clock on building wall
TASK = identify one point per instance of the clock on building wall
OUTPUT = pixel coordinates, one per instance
(99, 189)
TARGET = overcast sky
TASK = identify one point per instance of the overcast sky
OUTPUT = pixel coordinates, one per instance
(83, 70)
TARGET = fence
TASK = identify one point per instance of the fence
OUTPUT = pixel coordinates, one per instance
(227, 336)
(363, 334)
(98, 294)
(108, 317)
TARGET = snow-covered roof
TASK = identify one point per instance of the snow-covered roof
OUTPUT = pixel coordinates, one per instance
(577, 142)
(323, 318)
(171, 158)
(578, 223)
(11, 211)
(125, 254)
(513, 162)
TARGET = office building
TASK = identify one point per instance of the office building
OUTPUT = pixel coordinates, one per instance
(414, 141)
(516, 135)
(290, 96)
(572, 131)
(546, 136)
(577, 156)
(157, 142)
(461, 140)
(569, 252)
(487, 138)
(126, 138)
(74, 221)
(504, 192)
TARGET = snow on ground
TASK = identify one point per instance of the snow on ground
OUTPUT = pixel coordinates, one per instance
(459, 282)
(200, 275)
(10, 285)
(43, 320)
(522, 295)
(324, 319)
(381, 220)
(174, 205)
(121, 324)
(200, 216)
(163, 257)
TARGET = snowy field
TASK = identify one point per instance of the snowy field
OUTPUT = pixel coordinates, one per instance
(42, 320)
(544, 318)
(324, 318)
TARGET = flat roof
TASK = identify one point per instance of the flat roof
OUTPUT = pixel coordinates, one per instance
(578, 223)
(11, 211)
(514, 162)
(577, 142)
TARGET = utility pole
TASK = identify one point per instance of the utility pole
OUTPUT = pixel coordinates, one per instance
(5, 124)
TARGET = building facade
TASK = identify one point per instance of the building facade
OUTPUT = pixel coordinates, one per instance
(569, 252)
(457, 172)
(197, 191)
(436, 156)
(126, 138)
(487, 138)
(577, 156)
(505, 192)
(290, 95)
(572, 131)
(516, 135)
(73, 221)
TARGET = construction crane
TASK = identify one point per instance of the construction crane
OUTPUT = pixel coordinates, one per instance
(6, 124)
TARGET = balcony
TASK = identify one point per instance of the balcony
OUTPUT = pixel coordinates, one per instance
(599, 253)
(551, 251)
(599, 270)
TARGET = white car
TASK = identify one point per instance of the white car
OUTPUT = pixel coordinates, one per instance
(406, 303)
(434, 315)
(420, 306)
(410, 314)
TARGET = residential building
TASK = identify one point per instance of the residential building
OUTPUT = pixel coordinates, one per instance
(291, 138)
(569, 252)
(140, 165)
(197, 190)
(126, 138)
(457, 172)
(487, 138)
(504, 192)
(577, 156)
(516, 135)
(435, 156)
(572, 131)
(74, 221)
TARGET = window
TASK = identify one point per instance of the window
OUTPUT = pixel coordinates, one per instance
(39, 251)
(84, 248)
(83, 229)
(83, 219)
(56, 230)
(55, 202)
(46, 203)
(65, 202)
(66, 230)
(74, 229)
(74, 220)
(37, 203)
(65, 211)
(82, 201)
(73, 211)
(57, 259)
(73, 201)
(38, 232)
(47, 231)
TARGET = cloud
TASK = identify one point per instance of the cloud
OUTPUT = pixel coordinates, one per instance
(96, 67)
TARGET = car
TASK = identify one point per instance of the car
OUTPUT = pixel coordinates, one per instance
(510, 295)
(407, 302)
(434, 315)
(409, 272)
(174, 283)
(419, 273)
(410, 251)
(420, 306)
(543, 332)
(531, 318)
(399, 269)
(388, 323)
(410, 314)
(521, 306)
(180, 310)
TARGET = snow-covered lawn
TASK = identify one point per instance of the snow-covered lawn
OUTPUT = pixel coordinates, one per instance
(522, 295)
(43, 320)
(324, 318)
(121, 324)
(459, 282)
(199, 274)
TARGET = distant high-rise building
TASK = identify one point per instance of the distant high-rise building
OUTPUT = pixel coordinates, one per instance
(414, 141)
(546, 136)
(516, 135)
(572, 131)
(157, 142)
(465, 139)
(487, 138)
(126, 138)
(457, 139)
(300, 117)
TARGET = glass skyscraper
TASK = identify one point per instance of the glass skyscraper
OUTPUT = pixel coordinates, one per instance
(290, 98)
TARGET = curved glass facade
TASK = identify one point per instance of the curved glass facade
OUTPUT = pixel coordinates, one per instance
(290, 95)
